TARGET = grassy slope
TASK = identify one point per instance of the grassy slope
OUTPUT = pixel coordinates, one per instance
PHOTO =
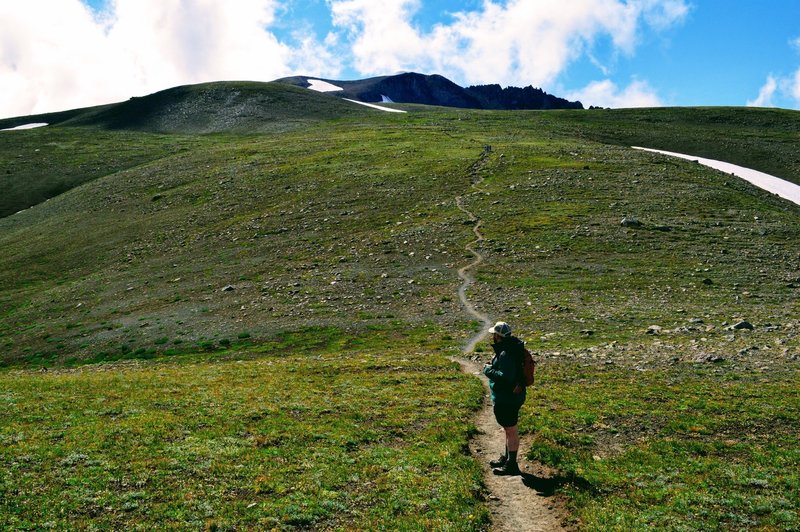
(271, 438)
(36, 166)
(763, 139)
(351, 225)
(244, 107)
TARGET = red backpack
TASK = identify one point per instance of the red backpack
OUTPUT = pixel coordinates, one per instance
(528, 367)
(528, 370)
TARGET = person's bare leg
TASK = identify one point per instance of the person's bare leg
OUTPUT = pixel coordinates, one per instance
(512, 438)
(512, 445)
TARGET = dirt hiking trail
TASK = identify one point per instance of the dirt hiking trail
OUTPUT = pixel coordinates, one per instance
(519, 503)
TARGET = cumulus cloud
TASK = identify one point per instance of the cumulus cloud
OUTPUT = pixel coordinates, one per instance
(606, 93)
(383, 39)
(60, 55)
(778, 91)
(515, 42)
(794, 86)
(766, 94)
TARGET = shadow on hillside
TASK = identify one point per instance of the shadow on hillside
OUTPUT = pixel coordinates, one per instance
(546, 487)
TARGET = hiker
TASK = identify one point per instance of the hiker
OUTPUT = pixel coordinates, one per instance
(506, 382)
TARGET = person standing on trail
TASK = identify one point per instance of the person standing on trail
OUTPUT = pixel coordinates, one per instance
(506, 382)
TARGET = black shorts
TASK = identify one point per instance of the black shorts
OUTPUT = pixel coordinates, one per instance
(507, 415)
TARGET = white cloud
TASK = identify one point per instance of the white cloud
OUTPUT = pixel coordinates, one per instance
(607, 94)
(661, 14)
(766, 94)
(782, 90)
(779, 91)
(515, 42)
(794, 88)
(58, 55)
(383, 39)
(314, 58)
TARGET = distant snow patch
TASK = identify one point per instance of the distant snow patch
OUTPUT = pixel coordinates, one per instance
(26, 126)
(322, 86)
(770, 183)
(387, 109)
(386, 99)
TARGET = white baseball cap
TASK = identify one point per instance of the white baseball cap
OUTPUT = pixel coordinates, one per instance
(502, 328)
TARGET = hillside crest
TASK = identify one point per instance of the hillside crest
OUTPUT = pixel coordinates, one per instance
(412, 87)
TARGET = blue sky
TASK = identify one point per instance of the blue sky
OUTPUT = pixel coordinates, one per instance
(60, 54)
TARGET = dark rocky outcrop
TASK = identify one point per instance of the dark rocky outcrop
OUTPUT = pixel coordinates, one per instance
(411, 87)
(495, 97)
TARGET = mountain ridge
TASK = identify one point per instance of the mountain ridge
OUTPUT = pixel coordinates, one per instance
(214, 107)
(434, 89)
(218, 106)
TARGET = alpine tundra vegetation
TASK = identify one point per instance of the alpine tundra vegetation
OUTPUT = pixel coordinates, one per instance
(233, 305)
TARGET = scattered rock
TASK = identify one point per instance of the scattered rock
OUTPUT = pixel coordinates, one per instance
(654, 329)
(742, 325)
(229, 288)
(707, 281)
(629, 221)
(711, 359)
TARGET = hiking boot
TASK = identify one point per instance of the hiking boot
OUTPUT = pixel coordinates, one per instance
(500, 462)
(508, 469)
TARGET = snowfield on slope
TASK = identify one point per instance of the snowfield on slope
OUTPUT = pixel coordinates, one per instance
(26, 126)
(323, 86)
(767, 182)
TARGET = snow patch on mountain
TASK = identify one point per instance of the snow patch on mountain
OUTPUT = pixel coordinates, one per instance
(322, 86)
(26, 126)
(770, 183)
(380, 107)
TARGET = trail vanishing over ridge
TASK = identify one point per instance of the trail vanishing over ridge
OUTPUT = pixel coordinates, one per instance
(466, 278)
(517, 503)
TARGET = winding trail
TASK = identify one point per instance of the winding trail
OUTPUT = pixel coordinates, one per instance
(522, 503)
(463, 273)
(468, 280)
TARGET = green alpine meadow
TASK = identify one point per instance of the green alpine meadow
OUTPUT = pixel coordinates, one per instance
(233, 306)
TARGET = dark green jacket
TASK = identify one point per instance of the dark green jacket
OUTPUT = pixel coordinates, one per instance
(505, 371)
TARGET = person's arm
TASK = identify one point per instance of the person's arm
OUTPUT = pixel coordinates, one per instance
(490, 368)
(503, 370)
